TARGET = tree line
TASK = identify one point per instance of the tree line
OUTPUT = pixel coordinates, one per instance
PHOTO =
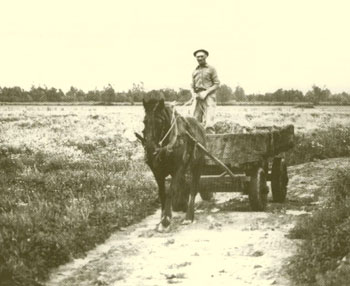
(108, 95)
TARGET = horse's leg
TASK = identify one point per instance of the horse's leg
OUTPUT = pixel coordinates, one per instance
(161, 191)
(180, 197)
(196, 174)
(174, 186)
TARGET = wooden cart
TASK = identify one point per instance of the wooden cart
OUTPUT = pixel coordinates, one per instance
(244, 162)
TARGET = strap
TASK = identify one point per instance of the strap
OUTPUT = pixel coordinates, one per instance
(173, 122)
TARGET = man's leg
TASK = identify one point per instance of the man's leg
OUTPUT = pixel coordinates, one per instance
(210, 113)
(199, 110)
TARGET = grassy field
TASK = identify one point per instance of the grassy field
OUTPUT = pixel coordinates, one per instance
(68, 178)
(324, 256)
(71, 175)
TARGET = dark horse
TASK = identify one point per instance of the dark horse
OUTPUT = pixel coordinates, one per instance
(170, 151)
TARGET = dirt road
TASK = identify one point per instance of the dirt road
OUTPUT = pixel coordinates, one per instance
(227, 245)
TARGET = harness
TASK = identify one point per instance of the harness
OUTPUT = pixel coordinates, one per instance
(172, 142)
(173, 124)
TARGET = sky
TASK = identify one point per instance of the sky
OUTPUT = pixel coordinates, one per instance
(260, 45)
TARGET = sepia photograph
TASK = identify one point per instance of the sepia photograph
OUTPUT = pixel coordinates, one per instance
(151, 143)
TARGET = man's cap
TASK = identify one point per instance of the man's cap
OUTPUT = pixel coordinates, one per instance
(201, 50)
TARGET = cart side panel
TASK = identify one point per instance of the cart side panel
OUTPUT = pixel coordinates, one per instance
(241, 148)
(237, 149)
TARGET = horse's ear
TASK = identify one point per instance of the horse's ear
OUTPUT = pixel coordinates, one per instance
(146, 104)
(140, 138)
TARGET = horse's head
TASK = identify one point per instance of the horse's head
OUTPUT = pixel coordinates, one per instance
(157, 122)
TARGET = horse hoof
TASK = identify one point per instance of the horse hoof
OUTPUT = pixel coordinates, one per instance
(164, 224)
(161, 228)
(165, 221)
(186, 222)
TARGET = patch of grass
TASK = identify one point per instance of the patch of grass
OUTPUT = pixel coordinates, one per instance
(33, 124)
(304, 105)
(9, 119)
(321, 144)
(6, 150)
(10, 166)
(87, 148)
(324, 256)
(53, 209)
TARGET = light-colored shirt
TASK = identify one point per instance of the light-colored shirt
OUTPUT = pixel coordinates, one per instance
(204, 77)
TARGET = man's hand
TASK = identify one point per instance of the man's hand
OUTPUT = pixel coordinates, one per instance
(202, 95)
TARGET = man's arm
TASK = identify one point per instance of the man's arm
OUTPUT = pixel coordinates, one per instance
(215, 80)
(193, 86)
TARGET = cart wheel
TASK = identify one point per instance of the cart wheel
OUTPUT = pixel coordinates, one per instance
(279, 180)
(258, 190)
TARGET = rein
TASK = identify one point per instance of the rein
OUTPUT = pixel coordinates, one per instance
(173, 140)
(173, 123)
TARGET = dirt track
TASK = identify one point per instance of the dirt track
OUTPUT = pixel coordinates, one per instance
(227, 245)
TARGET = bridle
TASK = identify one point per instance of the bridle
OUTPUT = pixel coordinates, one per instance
(173, 126)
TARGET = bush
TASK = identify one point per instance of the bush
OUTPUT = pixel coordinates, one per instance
(321, 144)
(324, 256)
